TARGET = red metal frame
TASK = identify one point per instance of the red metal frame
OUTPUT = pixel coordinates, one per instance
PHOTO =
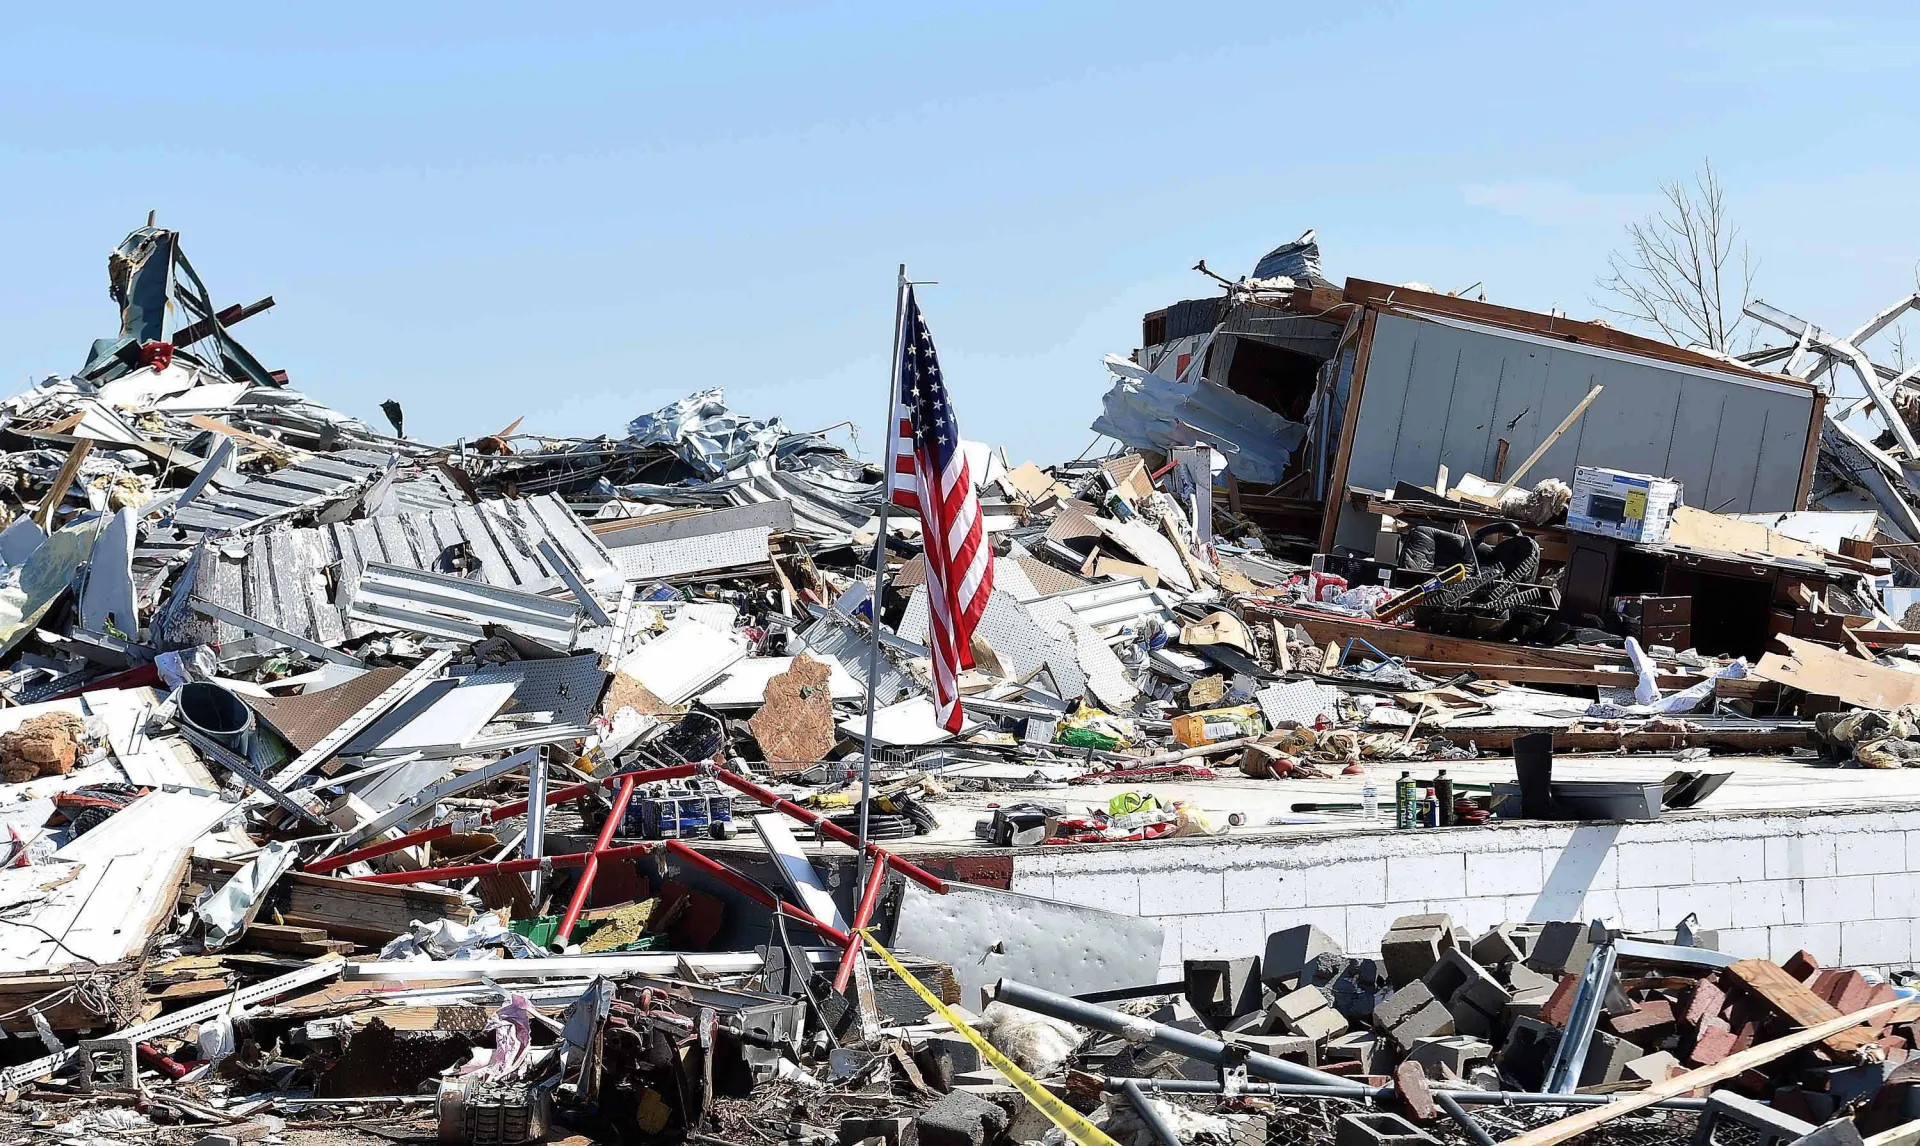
(884, 861)
(620, 801)
(831, 830)
(494, 815)
(875, 877)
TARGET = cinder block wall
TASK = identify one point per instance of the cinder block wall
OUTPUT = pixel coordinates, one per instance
(1843, 885)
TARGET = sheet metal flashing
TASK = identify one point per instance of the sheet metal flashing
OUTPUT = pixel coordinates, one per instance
(394, 596)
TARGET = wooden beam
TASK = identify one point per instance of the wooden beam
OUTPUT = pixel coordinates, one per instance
(1416, 644)
(62, 482)
(1343, 453)
(1732, 1066)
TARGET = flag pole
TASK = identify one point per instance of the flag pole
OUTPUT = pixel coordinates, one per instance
(890, 430)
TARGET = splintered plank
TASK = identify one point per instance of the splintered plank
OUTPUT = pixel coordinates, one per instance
(1793, 1001)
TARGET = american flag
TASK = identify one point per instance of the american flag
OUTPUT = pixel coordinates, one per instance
(929, 475)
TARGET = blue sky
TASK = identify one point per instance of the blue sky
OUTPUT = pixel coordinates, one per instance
(577, 213)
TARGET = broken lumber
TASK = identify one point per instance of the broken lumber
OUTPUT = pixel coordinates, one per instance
(1822, 671)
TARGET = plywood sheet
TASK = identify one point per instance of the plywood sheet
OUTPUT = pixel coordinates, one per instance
(1822, 671)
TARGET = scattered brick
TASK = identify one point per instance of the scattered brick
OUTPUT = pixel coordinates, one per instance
(1705, 1001)
(1560, 1004)
(1410, 1080)
(1802, 965)
(1714, 1042)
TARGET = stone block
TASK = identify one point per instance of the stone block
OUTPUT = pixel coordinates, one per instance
(1528, 1004)
(1607, 1059)
(1561, 948)
(1656, 1067)
(1450, 1056)
(961, 1119)
(1297, 1048)
(1411, 952)
(1400, 1004)
(1521, 977)
(1296, 1005)
(892, 1131)
(1289, 951)
(108, 1064)
(1364, 1047)
(1320, 1025)
(1430, 1021)
(1528, 1051)
(1497, 946)
(1221, 990)
(1378, 1130)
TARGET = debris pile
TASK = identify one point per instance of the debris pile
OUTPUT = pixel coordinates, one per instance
(528, 786)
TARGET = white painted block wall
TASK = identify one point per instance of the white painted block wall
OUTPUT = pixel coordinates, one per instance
(1843, 885)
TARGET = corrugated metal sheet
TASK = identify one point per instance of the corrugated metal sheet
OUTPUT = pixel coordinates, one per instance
(1441, 391)
(837, 637)
(393, 596)
(653, 561)
(295, 579)
(312, 481)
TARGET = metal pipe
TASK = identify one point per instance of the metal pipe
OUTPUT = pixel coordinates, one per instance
(503, 867)
(1358, 1092)
(1149, 1113)
(889, 425)
(1461, 1118)
(495, 815)
(755, 892)
(1172, 1038)
(579, 901)
(535, 836)
(829, 829)
(876, 879)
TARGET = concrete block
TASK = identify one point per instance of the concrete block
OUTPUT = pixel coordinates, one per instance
(1471, 1020)
(1378, 1130)
(1400, 1004)
(1221, 990)
(108, 1063)
(1496, 947)
(1364, 1047)
(1321, 1025)
(1485, 995)
(961, 1119)
(947, 1056)
(1289, 951)
(1528, 1004)
(1528, 1051)
(1410, 952)
(1839, 1132)
(1298, 1048)
(1562, 947)
(1294, 1006)
(1607, 1059)
(1655, 1067)
(1521, 977)
(892, 1131)
(1438, 919)
(1430, 1021)
(1449, 1056)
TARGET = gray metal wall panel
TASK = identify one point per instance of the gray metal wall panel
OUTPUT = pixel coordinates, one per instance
(1441, 393)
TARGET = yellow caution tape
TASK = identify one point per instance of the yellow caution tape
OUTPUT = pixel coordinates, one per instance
(1065, 1117)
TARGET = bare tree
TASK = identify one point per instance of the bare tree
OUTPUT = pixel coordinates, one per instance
(1672, 275)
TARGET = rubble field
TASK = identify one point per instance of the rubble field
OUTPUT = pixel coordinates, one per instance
(362, 789)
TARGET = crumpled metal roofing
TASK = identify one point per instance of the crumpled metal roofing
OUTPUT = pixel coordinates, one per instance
(294, 579)
(1147, 411)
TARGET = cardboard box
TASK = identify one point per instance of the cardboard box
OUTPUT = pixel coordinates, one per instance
(1614, 503)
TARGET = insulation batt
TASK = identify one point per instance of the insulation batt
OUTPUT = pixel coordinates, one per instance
(1037, 1044)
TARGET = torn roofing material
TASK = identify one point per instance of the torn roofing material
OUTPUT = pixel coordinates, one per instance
(293, 579)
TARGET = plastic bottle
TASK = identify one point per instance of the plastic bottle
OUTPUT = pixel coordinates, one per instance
(1406, 797)
(1370, 800)
(1443, 792)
